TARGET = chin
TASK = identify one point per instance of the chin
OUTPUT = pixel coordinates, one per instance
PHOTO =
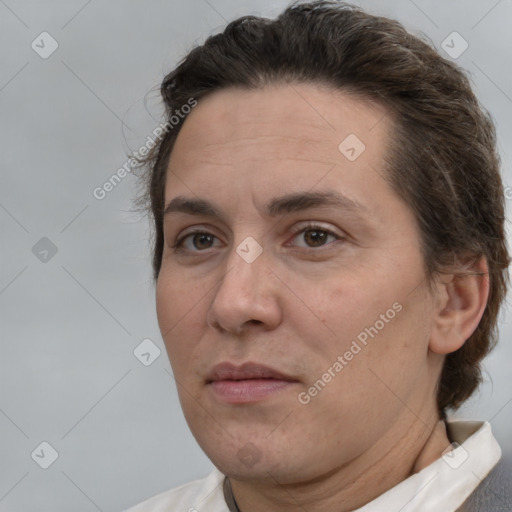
(246, 461)
(262, 471)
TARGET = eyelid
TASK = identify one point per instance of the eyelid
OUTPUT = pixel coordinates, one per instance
(320, 226)
(302, 227)
(196, 230)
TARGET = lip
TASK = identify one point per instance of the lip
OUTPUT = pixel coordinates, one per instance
(250, 382)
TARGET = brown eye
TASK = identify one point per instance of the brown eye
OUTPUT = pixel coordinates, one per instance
(196, 242)
(312, 237)
(202, 241)
(316, 237)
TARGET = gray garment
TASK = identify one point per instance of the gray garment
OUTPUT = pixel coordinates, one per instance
(494, 494)
(228, 496)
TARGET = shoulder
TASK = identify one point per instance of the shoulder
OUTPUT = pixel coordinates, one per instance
(204, 494)
(494, 493)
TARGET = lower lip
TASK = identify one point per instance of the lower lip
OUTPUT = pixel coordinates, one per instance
(250, 390)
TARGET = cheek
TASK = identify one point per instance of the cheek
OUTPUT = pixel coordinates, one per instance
(387, 367)
(178, 309)
(167, 305)
(369, 314)
(176, 298)
(340, 308)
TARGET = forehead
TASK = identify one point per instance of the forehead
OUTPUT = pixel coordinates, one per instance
(302, 121)
(240, 148)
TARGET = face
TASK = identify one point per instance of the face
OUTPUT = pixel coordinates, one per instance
(292, 296)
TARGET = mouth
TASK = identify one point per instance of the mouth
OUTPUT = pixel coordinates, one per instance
(247, 383)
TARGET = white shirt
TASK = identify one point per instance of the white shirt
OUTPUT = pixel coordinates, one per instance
(443, 485)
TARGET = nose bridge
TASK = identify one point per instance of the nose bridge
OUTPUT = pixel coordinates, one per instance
(245, 293)
(244, 269)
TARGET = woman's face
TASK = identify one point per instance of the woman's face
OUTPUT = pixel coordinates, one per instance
(292, 296)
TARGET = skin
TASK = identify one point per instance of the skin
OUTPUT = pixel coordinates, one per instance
(304, 300)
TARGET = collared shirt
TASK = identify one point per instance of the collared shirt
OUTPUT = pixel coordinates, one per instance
(443, 485)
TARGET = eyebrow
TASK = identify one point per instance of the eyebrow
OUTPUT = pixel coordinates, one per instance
(279, 206)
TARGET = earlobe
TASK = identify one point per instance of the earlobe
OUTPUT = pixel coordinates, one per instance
(460, 303)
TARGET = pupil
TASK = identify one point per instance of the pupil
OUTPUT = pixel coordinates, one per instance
(202, 241)
(315, 238)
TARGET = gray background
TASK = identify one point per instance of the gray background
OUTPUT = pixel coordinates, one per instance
(70, 324)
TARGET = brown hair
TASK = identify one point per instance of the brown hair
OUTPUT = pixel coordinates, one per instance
(443, 162)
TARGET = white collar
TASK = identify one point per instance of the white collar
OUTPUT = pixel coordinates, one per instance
(447, 482)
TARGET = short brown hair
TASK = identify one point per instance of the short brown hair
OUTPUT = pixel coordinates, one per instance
(443, 162)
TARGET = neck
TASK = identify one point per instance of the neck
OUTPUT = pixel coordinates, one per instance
(354, 484)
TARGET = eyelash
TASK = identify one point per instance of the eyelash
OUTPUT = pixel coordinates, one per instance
(178, 245)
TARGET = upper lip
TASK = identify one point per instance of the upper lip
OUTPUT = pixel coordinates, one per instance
(229, 371)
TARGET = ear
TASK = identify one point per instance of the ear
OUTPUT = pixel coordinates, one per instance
(459, 305)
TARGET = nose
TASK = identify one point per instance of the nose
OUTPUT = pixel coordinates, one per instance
(247, 297)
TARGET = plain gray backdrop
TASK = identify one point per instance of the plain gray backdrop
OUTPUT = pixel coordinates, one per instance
(76, 295)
